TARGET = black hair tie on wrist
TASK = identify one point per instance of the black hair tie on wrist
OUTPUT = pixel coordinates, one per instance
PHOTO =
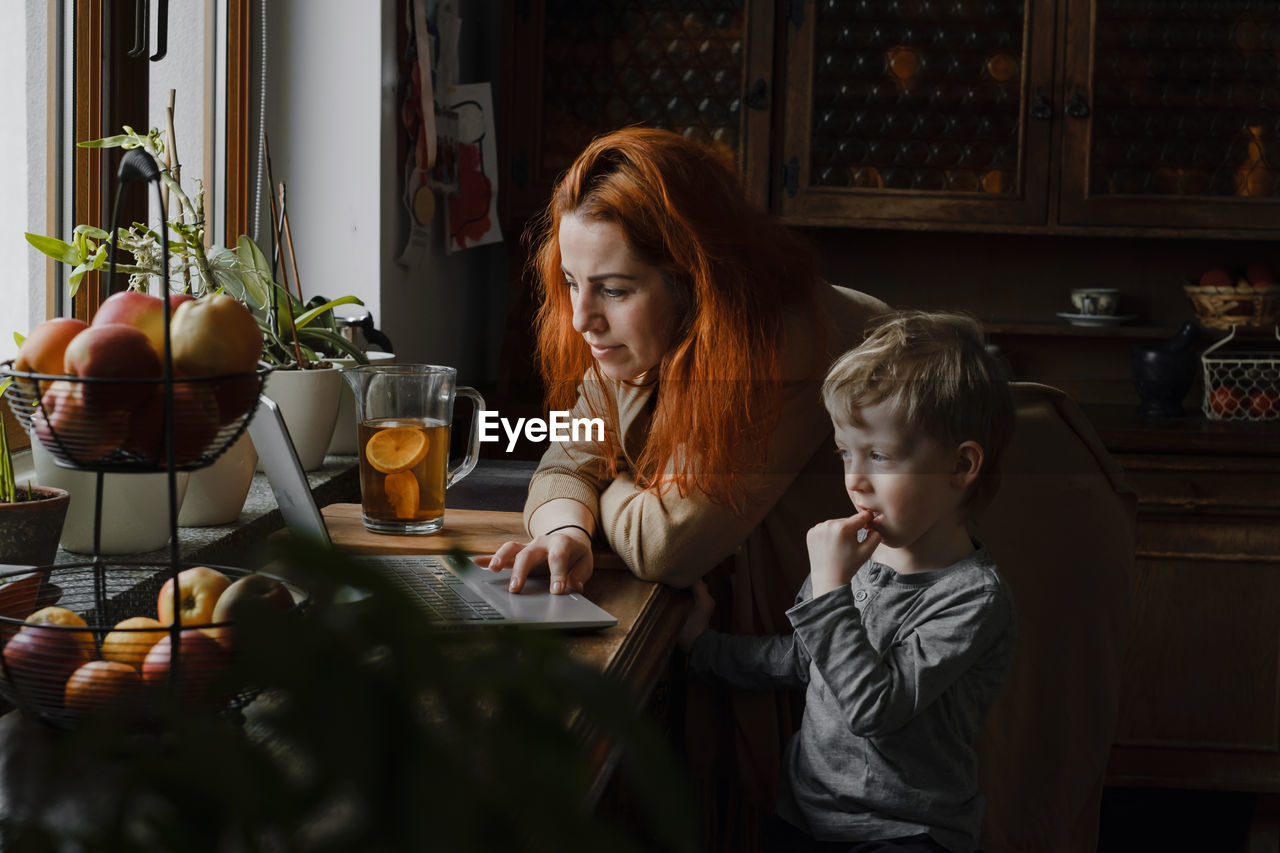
(567, 526)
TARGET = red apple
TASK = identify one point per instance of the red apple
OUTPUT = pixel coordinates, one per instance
(55, 615)
(195, 418)
(44, 350)
(198, 590)
(1216, 278)
(66, 425)
(38, 661)
(113, 351)
(102, 686)
(215, 336)
(1225, 401)
(255, 593)
(200, 659)
(141, 310)
(1263, 403)
(1258, 273)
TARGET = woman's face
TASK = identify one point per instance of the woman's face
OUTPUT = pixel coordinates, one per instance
(622, 306)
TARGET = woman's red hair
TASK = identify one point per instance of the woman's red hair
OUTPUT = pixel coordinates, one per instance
(732, 270)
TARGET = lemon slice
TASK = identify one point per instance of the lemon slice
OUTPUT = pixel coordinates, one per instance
(402, 492)
(396, 449)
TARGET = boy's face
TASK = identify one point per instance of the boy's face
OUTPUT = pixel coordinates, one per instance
(909, 483)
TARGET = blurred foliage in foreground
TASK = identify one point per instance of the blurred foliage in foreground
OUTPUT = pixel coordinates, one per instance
(374, 731)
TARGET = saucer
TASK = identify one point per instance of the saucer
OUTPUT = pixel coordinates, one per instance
(1097, 319)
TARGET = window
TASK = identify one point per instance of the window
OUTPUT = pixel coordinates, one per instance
(72, 78)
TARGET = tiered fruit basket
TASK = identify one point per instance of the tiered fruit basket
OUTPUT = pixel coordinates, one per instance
(66, 654)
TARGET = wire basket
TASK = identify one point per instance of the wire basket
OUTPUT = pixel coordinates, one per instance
(1243, 305)
(63, 672)
(101, 424)
(1241, 385)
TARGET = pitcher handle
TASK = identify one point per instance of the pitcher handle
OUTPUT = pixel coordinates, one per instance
(469, 461)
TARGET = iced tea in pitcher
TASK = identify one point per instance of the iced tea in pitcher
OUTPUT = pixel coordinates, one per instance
(403, 464)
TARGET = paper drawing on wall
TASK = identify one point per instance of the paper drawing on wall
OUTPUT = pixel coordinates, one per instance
(471, 214)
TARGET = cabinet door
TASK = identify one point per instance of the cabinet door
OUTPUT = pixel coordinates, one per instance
(1172, 114)
(917, 111)
(579, 69)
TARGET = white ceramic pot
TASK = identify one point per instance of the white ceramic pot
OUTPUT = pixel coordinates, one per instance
(344, 431)
(308, 401)
(216, 494)
(135, 507)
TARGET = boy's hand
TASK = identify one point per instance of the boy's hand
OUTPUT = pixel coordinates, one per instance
(699, 617)
(835, 552)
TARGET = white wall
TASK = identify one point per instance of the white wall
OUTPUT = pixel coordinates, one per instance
(332, 69)
(182, 69)
(23, 58)
(323, 119)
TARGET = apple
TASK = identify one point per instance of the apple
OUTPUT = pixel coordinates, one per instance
(1225, 401)
(54, 615)
(1259, 273)
(215, 336)
(102, 686)
(141, 310)
(1216, 277)
(66, 424)
(44, 350)
(130, 640)
(113, 351)
(255, 593)
(1265, 403)
(198, 590)
(38, 661)
(195, 418)
(200, 659)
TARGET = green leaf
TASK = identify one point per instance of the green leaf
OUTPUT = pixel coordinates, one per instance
(18, 338)
(328, 306)
(57, 249)
(91, 231)
(110, 141)
(76, 275)
(334, 343)
(257, 270)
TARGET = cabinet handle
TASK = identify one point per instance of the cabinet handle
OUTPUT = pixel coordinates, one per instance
(1041, 109)
(758, 95)
(1078, 107)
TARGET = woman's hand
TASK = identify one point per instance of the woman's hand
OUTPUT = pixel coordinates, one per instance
(835, 551)
(566, 553)
(699, 617)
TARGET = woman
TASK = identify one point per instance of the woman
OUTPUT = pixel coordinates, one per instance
(698, 330)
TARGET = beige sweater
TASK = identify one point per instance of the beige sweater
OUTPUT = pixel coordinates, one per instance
(675, 540)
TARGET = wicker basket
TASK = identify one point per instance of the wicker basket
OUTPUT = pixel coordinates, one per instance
(1243, 305)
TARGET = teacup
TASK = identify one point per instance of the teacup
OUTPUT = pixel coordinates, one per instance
(1095, 301)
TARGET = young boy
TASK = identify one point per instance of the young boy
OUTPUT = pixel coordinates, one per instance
(903, 629)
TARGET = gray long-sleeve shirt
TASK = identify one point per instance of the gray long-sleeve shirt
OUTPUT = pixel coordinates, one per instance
(901, 671)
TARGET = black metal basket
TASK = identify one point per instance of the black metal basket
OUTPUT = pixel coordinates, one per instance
(63, 673)
(98, 424)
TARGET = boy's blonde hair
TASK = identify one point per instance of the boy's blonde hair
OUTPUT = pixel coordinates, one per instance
(942, 380)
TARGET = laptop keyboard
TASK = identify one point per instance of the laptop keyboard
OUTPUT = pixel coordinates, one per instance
(446, 597)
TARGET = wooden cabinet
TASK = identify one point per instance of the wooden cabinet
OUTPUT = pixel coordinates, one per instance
(1200, 698)
(1143, 114)
(575, 70)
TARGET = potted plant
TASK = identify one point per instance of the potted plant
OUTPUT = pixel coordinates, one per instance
(296, 336)
(31, 517)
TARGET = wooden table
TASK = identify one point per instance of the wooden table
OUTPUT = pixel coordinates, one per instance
(635, 651)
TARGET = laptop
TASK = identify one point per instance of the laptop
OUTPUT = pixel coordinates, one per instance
(451, 589)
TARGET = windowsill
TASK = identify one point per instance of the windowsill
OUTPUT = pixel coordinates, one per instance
(242, 542)
(494, 485)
